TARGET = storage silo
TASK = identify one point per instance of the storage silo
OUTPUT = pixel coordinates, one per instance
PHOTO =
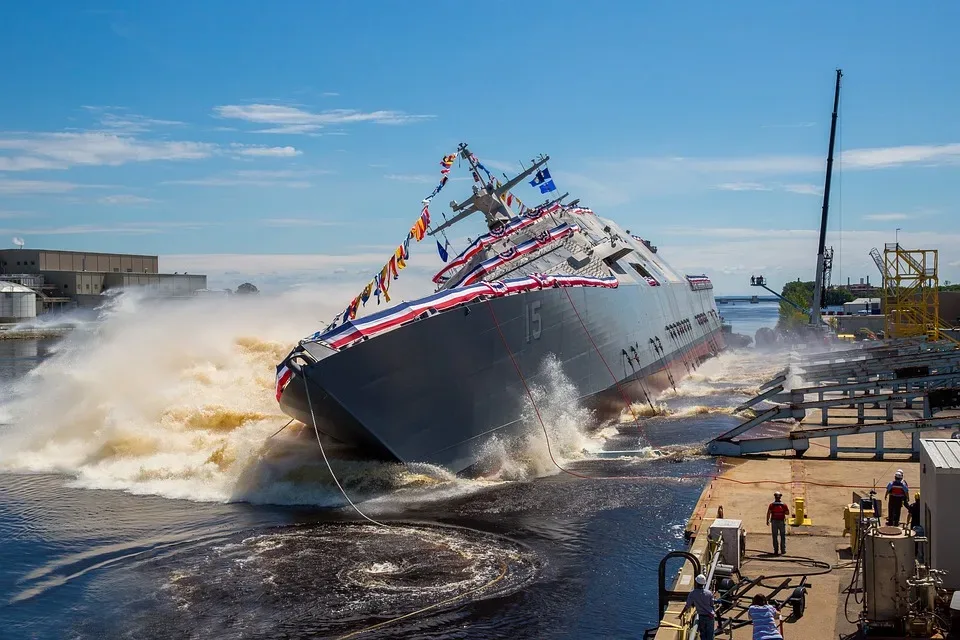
(17, 302)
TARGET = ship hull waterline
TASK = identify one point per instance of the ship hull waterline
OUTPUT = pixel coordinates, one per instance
(437, 390)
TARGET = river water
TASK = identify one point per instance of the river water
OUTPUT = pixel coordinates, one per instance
(142, 497)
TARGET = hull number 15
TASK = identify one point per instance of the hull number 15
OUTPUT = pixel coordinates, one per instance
(532, 320)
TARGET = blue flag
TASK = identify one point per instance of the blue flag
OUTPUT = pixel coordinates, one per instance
(547, 187)
(442, 251)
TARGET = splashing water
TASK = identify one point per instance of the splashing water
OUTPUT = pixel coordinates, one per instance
(175, 398)
(565, 420)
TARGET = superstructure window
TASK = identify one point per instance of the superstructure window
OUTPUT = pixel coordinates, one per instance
(639, 269)
(615, 266)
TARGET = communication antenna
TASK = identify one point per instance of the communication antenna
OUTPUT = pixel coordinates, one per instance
(18, 241)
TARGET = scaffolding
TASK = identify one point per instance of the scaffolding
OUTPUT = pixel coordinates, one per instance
(911, 297)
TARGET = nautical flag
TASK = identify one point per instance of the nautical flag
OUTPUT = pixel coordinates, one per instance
(547, 187)
(399, 258)
(442, 251)
(365, 294)
(283, 377)
(542, 176)
(392, 267)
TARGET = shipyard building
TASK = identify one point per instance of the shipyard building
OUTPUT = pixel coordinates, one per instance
(64, 279)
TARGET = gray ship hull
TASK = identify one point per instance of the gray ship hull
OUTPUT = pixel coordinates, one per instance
(437, 389)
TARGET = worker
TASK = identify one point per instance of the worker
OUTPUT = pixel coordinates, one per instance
(777, 514)
(913, 512)
(915, 524)
(897, 494)
(764, 617)
(702, 600)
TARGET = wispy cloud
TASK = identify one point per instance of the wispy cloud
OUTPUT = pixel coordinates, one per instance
(226, 181)
(121, 120)
(743, 186)
(262, 151)
(418, 178)
(880, 217)
(36, 186)
(124, 199)
(803, 189)
(64, 150)
(881, 157)
(129, 228)
(294, 120)
(604, 182)
(300, 222)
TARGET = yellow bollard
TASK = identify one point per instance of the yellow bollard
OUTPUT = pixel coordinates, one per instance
(799, 517)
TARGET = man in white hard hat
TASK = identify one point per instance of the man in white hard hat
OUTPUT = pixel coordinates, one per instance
(897, 494)
(702, 600)
(777, 514)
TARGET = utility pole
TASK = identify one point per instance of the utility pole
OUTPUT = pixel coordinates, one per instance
(818, 289)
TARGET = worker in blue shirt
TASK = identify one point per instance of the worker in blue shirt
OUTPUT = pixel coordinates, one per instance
(702, 599)
(897, 494)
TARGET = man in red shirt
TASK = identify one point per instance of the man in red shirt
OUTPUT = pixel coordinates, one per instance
(777, 514)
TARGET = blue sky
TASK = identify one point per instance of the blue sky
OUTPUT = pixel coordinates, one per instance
(289, 142)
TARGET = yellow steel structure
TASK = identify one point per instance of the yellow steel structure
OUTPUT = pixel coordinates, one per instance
(911, 299)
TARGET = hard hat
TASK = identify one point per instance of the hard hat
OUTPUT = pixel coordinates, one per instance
(898, 474)
(777, 494)
(701, 579)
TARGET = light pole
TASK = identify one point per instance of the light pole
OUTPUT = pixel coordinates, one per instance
(897, 237)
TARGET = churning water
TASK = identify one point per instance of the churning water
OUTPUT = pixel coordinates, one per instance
(141, 495)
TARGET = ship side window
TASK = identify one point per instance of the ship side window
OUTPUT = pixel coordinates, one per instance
(612, 260)
(615, 266)
(639, 269)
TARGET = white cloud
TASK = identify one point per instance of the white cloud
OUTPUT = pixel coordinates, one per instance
(886, 216)
(299, 222)
(419, 178)
(63, 150)
(286, 119)
(127, 228)
(239, 181)
(804, 189)
(743, 186)
(124, 199)
(36, 186)
(119, 119)
(27, 163)
(931, 154)
(264, 151)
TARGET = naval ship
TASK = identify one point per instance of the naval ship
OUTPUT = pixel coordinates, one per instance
(433, 379)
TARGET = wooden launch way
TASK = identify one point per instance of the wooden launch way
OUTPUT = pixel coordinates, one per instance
(908, 376)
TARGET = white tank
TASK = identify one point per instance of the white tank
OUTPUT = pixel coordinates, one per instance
(889, 560)
(17, 303)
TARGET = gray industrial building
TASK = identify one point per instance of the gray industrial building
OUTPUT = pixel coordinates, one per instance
(77, 278)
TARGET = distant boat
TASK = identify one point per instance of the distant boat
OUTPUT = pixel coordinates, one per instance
(434, 379)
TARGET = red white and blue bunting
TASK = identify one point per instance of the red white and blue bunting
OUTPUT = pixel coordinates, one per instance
(352, 331)
(548, 236)
(529, 217)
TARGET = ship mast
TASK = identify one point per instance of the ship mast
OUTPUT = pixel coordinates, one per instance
(488, 198)
(818, 286)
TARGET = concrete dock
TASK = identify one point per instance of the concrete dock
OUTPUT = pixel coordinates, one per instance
(744, 487)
